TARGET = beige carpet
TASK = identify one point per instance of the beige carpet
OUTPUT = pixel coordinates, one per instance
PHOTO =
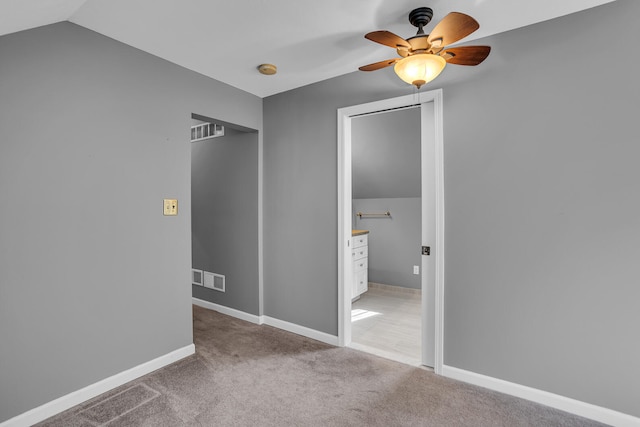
(248, 375)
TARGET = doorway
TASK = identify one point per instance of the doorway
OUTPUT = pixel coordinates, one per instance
(386, 205)
(432, 204)
(225, 217)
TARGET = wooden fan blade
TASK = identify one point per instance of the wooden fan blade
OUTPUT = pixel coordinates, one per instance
(466, 55)
(378, 65)
(387, 38)
(453, 27)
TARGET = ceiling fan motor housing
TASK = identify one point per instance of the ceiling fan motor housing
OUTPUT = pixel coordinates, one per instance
(420, 17)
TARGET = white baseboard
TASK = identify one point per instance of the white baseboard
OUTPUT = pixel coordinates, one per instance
(252, 318)
(266, 320)
(72, 399)
(301, 330)
(586, 410)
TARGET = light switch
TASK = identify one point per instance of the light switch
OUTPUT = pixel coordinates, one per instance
(170, 207)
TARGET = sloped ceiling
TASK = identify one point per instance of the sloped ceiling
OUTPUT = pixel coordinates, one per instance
(308, 41)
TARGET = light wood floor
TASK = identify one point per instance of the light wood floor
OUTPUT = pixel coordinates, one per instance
(386, 322)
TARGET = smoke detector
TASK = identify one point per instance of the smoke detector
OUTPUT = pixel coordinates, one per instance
(267, 69)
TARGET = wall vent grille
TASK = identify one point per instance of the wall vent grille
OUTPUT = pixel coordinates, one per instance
(214, 281)
(196, 277)
(206, 131)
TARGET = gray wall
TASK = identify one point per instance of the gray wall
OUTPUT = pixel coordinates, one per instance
(394, 243)
(386, 176)
(542, 210)
(94, 279)
(224, 217)
(385, 151)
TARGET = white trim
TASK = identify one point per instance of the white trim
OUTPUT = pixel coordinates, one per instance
(438, 253)
(252, 318)
(301, 330)
(586, 410)
(344, 227)
(344, 116)
(266, 320)
(260, 222)
(428, 169)
(72, 399)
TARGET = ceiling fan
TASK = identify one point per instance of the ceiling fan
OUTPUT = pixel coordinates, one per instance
(424, 56)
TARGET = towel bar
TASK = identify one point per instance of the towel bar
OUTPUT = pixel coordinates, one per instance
(385, 214)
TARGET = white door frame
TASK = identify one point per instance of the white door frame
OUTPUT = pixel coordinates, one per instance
(344, 214)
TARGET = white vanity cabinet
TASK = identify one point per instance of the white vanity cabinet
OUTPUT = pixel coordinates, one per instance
(360, 259)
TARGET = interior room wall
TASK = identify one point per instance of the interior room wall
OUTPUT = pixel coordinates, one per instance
(394, 242)
(224, 227)
(386, 176)
(541, 209)
(94, 280)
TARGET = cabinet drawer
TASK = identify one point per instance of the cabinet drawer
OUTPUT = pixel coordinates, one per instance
(358, 253)
(361, 285)
(361, 264)
(359, 241)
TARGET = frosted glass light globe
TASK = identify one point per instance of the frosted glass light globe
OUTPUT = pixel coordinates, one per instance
(419, 69)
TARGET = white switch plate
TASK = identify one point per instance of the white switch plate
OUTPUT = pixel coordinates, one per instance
(416, 269)
(170, 207)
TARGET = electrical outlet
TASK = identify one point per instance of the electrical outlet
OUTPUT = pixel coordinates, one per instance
(416, 269)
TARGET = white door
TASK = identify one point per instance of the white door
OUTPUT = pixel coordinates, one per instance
(428, 136)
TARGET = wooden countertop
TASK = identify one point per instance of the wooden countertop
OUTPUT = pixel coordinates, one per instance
(358, 232)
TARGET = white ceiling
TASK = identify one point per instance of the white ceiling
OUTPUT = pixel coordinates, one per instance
(308, 40)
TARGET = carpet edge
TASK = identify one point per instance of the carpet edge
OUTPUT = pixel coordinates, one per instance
(74, 398)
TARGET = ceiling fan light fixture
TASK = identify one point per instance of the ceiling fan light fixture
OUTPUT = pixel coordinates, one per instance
(419, 69)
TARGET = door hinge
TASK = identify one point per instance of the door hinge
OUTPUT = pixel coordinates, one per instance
(426, 250)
